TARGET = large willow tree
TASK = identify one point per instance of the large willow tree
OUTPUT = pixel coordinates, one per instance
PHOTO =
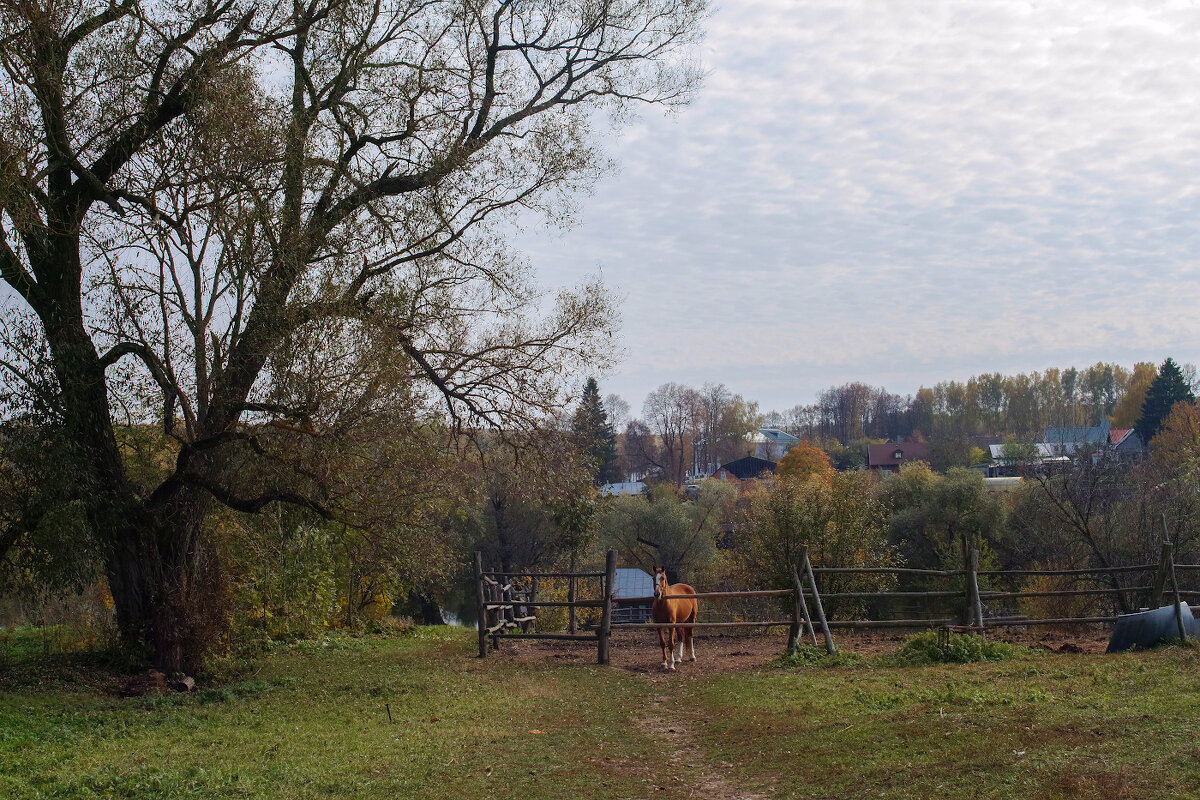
(271, 229)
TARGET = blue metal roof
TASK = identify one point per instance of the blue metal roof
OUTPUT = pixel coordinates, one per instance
(633, 582)
(776, 436)
(1077, 436)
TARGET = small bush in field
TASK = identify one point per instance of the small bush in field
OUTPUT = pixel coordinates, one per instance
(806, 656)
(957, 648)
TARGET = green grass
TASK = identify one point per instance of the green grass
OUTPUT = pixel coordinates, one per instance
(310, 722)
(1052, 726)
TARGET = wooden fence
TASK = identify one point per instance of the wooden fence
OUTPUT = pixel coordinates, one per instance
(506, 610)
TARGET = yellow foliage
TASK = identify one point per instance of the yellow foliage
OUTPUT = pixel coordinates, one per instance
(803, 461)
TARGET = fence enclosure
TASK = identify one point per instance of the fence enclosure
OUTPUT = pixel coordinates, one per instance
(508, 601)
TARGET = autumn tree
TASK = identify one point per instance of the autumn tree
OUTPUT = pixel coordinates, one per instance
(838, 518)
(283, 217)
(1129, 407)
(803, 461)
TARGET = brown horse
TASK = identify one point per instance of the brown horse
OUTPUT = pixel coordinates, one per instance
(669, 608)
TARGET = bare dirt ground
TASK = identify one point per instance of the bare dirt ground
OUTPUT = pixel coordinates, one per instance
(639, 651)
(695, 776)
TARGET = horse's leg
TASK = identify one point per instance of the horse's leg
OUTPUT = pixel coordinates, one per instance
(662, 640)
(674, 633)
(688, 633)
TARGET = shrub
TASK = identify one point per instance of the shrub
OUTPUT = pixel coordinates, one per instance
(930, 648)
(807, 656)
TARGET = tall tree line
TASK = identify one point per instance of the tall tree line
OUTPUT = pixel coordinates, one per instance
(990, 404)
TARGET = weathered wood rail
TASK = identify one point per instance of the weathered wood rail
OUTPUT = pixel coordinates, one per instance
(506, 610)
(499, 597)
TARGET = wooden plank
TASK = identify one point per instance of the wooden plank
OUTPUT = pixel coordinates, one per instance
(937, 573)
(545, 574)
(1004, 623)
(1160, 577)
(565, 637)
(759, 624)
(887, 595)
(820, 609)
(572, 626)
(482, 608)
(1062, 592)
(976, 601)
(549, 604)
(890, 623)
(1001, 573)
(610, 578)
(801, 604)
(710, 595)
(1174, 581)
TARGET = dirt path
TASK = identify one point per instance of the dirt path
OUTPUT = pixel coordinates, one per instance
(694, 775)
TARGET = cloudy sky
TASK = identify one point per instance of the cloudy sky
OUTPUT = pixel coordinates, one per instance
(904, 192)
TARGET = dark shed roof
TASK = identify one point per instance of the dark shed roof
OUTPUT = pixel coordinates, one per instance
(749, 467)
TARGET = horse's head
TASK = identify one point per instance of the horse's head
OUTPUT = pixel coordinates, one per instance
(660, 582)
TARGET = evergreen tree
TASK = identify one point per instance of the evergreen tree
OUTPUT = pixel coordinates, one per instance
(595, 435)
(1168, 389)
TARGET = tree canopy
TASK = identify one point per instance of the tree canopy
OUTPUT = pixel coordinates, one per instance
(270, 230)
(595, 436)
(1168, 388)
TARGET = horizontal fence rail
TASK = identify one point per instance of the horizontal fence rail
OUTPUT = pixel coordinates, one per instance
(548, 604)
(749, 624)
(1085, 571)
(502, 595)
(937, 573)
(507, 575)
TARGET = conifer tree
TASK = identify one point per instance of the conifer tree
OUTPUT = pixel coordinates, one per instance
(595, 434)
(1168, 389)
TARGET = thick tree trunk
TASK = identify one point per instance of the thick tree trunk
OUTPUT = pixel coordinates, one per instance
(162, 584)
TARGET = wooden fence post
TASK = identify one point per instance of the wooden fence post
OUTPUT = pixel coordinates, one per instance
(1178, 610)
(1174, 582)
(483, 622)
(494, 591)
(571, 597)
(976, 601)
(1160, 578)
(532, 598)
(812, 582)
(801, 609)
(610, 578)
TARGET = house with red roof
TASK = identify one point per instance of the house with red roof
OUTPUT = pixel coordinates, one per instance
(889, 457)
(1125, 444)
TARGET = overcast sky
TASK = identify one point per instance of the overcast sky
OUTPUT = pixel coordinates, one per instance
(905, 192)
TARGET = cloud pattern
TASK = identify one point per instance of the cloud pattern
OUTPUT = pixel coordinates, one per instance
(905, 192)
